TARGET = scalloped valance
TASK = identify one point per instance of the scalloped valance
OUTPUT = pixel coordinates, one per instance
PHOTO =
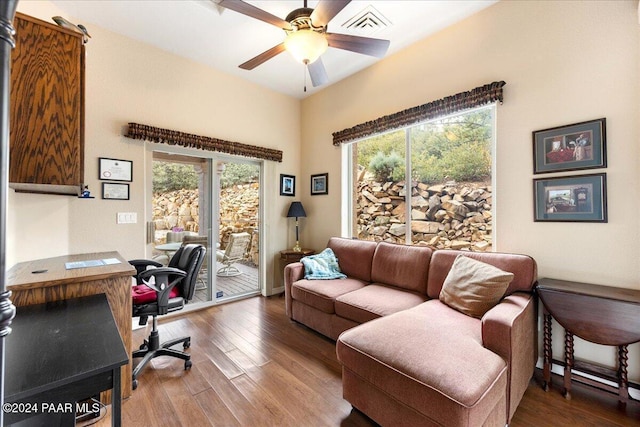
(173, 137)
(483, 95)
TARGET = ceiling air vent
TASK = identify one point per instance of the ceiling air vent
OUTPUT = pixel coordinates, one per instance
(366, 23)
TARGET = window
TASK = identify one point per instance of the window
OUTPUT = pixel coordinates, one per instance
(428, 183)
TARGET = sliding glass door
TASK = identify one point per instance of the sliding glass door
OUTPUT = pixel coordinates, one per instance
(238, 252)
(214, 202)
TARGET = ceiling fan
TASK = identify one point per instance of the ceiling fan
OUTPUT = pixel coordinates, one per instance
(307, 36)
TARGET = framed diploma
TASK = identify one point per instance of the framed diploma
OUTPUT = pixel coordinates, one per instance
(113, 191)
(115, 170)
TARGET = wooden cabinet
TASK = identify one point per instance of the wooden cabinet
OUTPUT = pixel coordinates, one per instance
(47, 108)
(47, 280)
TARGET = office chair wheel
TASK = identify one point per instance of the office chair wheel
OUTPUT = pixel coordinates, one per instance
(134, 384)
(187, 364)
(186, 344)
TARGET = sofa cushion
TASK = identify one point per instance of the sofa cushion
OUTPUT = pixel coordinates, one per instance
(354, 256)
(473, 287)
(429, 358)
(402, 266)
(321, 294)
(374, 301)
(322, 266)
(522, 266)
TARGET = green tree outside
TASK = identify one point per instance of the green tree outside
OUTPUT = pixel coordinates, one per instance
(169, 176)
(455, 148)
(173, 176)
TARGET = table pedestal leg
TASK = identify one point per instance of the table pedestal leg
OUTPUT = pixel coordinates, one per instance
(623, 380)
(568, 363)
(548, 355)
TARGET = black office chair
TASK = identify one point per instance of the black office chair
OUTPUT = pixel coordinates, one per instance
(160, 291)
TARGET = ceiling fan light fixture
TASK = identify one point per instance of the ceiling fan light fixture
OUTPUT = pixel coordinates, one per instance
(306, 45)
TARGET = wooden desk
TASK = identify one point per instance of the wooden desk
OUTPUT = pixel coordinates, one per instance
(58, 354)
(599, 314)
(57, 283)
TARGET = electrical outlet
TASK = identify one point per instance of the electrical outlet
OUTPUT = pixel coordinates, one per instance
(127, 218)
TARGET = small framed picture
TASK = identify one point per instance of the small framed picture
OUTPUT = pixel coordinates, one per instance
(571, 147)
(581, 198)
(115, 170)
(113, 191)
(287, 185)
(319, 184)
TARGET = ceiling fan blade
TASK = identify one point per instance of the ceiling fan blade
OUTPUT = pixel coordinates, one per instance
(364, 45)
(318, 73)
(254, 12)
(326, 10)
(263, 57)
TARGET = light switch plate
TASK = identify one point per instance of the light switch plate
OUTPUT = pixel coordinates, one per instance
(127, 218)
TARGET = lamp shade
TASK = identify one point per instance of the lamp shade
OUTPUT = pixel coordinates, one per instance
(296, 210)
(306, 45)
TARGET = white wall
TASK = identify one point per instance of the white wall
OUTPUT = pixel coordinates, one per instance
(563, 62)
(129, 81)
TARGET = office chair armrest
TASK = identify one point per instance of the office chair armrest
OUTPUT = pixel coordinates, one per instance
(165, 279)
(141, 264)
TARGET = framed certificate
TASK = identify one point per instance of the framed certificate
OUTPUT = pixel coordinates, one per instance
(115, 170)
(113, 191)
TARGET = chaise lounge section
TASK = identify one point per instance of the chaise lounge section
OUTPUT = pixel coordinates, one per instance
(409, 358)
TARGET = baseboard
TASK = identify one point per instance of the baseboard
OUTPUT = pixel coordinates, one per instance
(558, 368)
(276, 291)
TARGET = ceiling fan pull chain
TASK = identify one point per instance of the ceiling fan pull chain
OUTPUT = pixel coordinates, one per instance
(304, 70)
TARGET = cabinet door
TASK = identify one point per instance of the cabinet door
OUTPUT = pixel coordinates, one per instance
(47, 85)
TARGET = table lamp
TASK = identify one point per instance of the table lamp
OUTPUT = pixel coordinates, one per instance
(296, 210)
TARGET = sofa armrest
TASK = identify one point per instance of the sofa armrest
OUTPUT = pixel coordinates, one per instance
(509, 330)
(292, 273)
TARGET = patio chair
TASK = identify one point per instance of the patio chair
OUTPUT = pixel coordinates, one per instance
(234, 252)
(202, 275)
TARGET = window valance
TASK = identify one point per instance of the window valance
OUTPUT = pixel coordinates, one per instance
(173, 137)
(486, 94)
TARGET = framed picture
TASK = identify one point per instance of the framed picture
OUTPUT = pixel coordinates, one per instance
(115, 170)
(113, 191)
(287, 185)
(581, 198)
(571, 147)
(319, 184)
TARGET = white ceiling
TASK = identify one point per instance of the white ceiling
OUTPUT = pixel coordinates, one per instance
(204, 32)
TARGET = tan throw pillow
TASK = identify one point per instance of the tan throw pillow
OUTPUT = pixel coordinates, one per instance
(473, 287)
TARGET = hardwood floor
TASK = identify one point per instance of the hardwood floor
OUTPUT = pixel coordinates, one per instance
(254, 367)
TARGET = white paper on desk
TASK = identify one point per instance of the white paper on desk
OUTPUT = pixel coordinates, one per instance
(83, 264)
(91, 263)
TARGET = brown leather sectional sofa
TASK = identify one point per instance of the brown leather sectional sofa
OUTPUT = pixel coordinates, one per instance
(408, 358)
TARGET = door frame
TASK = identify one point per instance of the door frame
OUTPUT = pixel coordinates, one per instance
(212, 205)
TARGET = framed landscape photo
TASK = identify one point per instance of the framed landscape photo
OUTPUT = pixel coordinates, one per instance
(113, 191)
(581, 198)
(571, 147)
(287, 185)
(115, 170)
(319, 184)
